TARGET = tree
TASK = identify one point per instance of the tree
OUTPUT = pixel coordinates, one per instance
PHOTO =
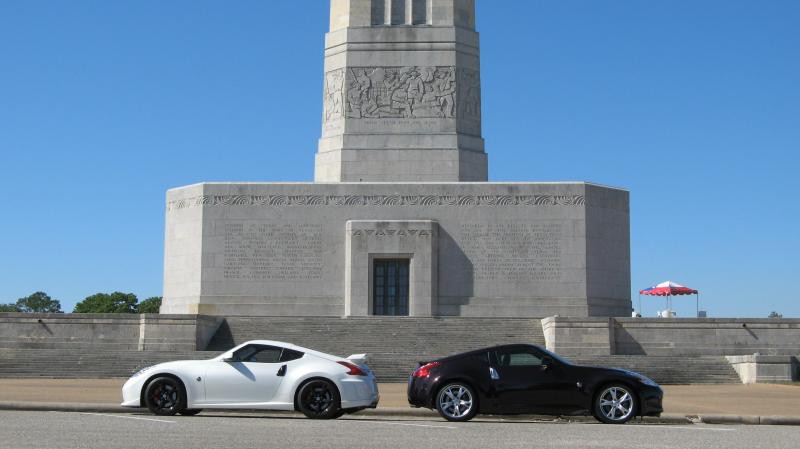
(150, 305)
(775, 314)
(39, 302)
(8, 308)
(116, 302)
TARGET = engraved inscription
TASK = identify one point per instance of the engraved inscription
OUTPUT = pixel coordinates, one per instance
(513, 252)
(273, 252)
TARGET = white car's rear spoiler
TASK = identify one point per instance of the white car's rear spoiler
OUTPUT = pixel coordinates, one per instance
(358, 359)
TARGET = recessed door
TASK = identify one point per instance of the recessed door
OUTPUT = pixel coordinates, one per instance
(390, 287)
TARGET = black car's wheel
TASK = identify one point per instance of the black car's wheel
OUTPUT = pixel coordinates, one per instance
(456, 402)
(319, 399)
(164, 396)
(616, 404)
(190, 411)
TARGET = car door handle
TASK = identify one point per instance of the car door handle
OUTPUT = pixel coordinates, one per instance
(494, 374)
(282, 371)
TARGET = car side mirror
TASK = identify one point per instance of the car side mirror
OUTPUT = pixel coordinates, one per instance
(229, 359)
(546, 362)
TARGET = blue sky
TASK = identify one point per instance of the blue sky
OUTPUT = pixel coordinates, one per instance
(694, 106)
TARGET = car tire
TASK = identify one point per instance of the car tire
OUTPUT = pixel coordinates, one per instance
(615, 404)
(190, 411)
(456, 401)
(319, 399)
(165, 396)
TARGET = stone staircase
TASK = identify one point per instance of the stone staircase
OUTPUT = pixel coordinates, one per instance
(394, 344)
(669, 369)
(84, 363)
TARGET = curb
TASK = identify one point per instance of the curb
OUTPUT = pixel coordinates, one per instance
(666, 418)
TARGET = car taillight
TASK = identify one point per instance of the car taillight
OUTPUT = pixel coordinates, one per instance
(425, 370)
(354, 369)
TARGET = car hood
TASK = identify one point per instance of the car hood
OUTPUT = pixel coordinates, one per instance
(617, 371)
(183, 364)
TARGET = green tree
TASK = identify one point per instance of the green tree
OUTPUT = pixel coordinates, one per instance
(39, 302)
(8, 308)
(116, 302)
(150, 305)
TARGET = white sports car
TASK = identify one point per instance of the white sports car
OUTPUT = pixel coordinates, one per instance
(258, 374)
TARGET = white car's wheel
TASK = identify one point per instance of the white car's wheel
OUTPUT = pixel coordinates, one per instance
(319, 399)
(164, 396)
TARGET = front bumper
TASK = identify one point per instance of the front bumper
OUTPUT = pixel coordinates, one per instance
(132, 391)
(651, 398)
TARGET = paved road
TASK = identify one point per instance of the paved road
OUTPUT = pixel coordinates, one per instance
(21, 430)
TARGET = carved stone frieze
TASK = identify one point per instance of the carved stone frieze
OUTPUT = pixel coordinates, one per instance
(401, 92)
(377, 200)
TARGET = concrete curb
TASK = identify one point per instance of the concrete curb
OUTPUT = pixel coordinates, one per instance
(666, 418)
(748, 419)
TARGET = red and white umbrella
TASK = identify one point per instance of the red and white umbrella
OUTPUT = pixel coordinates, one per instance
(669, 289)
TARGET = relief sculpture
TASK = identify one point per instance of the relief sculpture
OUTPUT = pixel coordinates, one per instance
(401, 92)
(470, 94)
(333, 100)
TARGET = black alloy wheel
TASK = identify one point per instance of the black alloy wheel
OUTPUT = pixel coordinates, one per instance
(190, 411)
(456, 402)
(615, 404)
(164, 396)
(319, 399)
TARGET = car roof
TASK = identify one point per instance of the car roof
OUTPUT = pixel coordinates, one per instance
(286, 345)
(490, 348)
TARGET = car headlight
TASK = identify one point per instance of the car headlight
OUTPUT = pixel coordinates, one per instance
(141, 371)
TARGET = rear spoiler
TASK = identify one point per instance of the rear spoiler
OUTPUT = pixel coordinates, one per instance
(358, 359)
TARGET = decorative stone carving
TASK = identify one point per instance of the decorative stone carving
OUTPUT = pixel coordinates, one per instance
(333, 97)
(378, 200)
(401, 92)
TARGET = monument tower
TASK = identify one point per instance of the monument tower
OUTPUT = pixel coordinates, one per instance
(400, 219)
(402, 93)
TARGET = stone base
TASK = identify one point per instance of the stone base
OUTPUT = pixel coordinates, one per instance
(765, 368)
(388, 165)
(474, 249)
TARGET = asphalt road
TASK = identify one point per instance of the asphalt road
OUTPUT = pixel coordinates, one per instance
(21, 430)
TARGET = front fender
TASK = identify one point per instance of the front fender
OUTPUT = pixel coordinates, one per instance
(190, 377)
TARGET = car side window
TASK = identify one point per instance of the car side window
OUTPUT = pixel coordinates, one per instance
(289, 354)
(258, 354)
(517, 357)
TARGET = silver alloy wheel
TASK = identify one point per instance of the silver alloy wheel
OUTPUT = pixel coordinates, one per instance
(455, 401)
(616, 404)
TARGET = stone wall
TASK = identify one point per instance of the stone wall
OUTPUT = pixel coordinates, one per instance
(672, 336)
(125, 332)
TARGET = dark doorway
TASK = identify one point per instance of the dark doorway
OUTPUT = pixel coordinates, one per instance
(390, 287)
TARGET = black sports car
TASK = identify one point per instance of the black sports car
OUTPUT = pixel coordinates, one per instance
(515, 379)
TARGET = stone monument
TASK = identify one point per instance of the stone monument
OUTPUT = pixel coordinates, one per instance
(402, 93)
(400, 219)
